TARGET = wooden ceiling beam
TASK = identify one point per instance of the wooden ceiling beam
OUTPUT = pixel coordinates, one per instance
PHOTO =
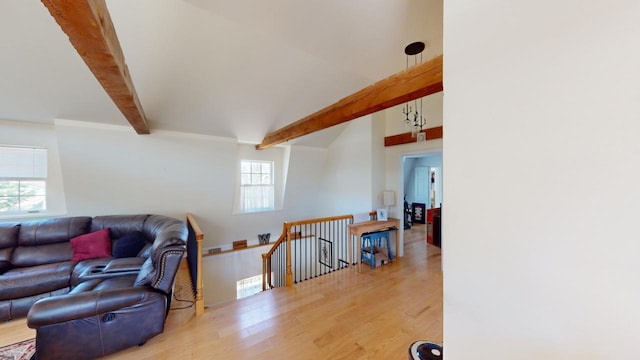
(408, 137)
(91, 32)
(418, 81)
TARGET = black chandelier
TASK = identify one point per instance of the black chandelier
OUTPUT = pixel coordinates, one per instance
(414, 119)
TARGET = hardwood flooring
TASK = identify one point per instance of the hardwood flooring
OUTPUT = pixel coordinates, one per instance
(375, 314)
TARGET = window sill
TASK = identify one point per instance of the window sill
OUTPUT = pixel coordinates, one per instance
(31, 216)
(240, 212)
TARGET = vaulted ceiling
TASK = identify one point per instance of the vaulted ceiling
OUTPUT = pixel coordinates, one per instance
(218, 67)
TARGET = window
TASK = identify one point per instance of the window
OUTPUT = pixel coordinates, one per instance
(256, 185)
(261, 179)
(23, 179)
(249, 286)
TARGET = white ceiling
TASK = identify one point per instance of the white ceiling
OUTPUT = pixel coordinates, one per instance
(232, 68)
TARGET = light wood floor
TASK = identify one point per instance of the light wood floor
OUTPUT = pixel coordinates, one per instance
(375, 314)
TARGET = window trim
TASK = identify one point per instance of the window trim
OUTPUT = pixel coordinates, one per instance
(38, 163)
(271, 185)
(279, 155)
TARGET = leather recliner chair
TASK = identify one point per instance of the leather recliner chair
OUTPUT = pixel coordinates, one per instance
(110, 308)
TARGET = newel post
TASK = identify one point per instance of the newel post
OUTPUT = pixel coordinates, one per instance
(264, 272)
(289, 274)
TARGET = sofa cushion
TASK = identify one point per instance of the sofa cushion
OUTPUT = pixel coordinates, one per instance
(8, 235)
(8, 240)
(51, 231)
(28, 281)
(129, 245)
(42, 254)
(120, 225)
(18, 308)
(5, 255)
(94, 245)
(4, 266)
(119, 282)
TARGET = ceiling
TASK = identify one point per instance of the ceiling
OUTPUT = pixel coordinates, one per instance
(226, 68)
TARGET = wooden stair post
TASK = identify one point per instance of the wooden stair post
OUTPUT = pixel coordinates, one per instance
(289, 273)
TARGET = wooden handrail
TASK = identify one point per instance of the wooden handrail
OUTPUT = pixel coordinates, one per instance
(289, 270)
(199, 235)
(325, 219)
(286, 236)
(288, 225)
(266, 265)
(282, 238)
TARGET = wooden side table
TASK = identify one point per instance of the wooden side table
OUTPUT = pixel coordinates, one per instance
(356, 230)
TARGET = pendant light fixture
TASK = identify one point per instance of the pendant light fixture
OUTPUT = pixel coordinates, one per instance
(414, 117)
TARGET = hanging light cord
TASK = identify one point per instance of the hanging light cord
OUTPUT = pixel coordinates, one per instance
(407, 109)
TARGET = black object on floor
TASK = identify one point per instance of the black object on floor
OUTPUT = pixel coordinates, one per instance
(437, 229)
(424, 350)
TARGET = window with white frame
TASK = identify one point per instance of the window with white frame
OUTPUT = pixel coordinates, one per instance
(257, 188)
(249, 286)
(23, 179)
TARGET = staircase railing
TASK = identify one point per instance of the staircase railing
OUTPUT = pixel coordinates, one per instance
(307, 249)
(194, 259)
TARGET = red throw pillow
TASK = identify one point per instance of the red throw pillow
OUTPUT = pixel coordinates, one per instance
(92, 245)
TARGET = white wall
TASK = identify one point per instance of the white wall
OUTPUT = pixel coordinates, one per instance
(224, 270)
(112, 170)
(408, 164)
(304, 198)
(347, 174)
(378, 184)
(541, 253)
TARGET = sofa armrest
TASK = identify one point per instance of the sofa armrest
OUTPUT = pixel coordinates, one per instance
(164, 256)
(131, 264)
(69, 307)
(104, 268)
(162, 275)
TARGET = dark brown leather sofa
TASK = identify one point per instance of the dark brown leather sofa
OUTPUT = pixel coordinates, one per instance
(93, 307)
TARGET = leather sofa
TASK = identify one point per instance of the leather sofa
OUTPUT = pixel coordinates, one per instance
(97, 306)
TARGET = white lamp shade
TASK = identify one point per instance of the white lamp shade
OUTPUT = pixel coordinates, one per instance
(388, 198)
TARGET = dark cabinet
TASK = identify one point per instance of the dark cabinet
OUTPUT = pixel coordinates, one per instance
(418, 211)
(433, 229)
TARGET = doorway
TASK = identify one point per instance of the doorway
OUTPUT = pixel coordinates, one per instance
(421, 188)
(422, 179)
